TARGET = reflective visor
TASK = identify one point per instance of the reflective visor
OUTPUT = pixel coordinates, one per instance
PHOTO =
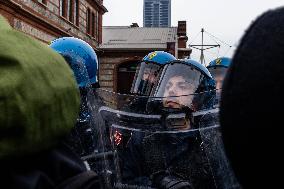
(177, 85)
(218, 73)
(145, 78)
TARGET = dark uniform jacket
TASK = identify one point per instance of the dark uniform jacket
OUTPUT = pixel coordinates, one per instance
(178, 155)
(57, 168)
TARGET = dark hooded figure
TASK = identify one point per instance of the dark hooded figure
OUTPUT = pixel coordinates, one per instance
(251, 111)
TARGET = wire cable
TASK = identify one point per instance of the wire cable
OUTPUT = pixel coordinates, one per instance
(195, 37)
(218, 39)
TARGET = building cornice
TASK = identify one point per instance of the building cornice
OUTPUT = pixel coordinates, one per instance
(26, 12)
(99, 4)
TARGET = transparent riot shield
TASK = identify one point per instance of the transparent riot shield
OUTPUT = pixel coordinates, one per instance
(155, 145)
(214, 149)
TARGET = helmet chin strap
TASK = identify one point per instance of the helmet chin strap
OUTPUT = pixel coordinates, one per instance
(171, 120)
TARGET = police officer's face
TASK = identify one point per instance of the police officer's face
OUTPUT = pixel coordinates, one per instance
(178, 92)
(149, 76)
(219, 75)
(219, 81)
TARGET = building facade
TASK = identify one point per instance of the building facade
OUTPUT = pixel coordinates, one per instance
(157, 13)
(47, 20)
(123, 47)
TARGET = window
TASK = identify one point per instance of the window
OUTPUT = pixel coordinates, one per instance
(69, 9)
(89, 21)
(93, 24)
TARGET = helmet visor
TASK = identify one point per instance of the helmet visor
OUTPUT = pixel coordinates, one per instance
(145, 78)
(218, 73)
(177, 84)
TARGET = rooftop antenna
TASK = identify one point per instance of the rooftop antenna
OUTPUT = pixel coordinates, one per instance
(203, 47)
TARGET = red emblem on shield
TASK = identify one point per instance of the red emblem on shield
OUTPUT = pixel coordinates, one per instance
(117, 137)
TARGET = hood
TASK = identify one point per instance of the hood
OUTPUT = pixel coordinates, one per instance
(39, 98)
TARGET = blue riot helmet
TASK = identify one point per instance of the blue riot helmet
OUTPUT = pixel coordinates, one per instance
(185, 83)
(218, 69)
(78, 54)
(83, 61)
(147, 72)
(220, 62)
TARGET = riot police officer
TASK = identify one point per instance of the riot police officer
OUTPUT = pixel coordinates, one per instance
(218, 69)
(148, 70)
(83, 60)
(145, 78)
(169, 154)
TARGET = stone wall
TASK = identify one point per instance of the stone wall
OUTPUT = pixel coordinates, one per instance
(43, 20)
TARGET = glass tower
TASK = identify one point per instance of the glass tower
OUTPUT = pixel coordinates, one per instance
(157, 13)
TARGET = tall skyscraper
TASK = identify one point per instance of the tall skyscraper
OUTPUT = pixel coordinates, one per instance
(157, 13)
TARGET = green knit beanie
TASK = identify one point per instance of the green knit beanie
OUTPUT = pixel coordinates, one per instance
(39, 98)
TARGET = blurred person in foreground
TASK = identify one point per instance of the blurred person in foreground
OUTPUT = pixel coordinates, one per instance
(39, 104)
(251, 110)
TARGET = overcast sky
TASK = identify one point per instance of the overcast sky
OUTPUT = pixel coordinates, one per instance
(225, 19)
